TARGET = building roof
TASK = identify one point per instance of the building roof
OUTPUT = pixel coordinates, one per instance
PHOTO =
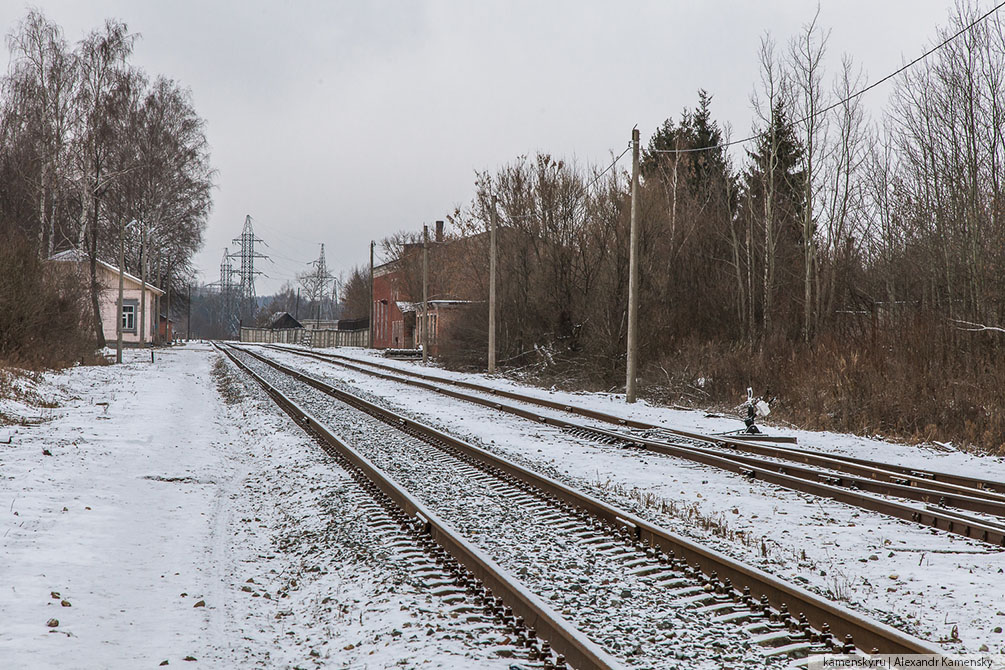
(278, 318)
(78, 256)
(404, 307)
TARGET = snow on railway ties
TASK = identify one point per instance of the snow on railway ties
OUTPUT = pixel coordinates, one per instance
(756, 595)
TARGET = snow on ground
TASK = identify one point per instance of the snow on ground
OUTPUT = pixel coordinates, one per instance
(178, 517)
(934, 457)
(942, 587)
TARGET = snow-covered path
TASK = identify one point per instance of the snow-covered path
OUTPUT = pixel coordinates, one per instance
(108, 533)
(172, 525)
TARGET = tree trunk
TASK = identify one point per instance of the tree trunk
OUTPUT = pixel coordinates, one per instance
(769, 247)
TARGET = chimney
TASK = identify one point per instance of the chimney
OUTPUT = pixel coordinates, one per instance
(439, 231)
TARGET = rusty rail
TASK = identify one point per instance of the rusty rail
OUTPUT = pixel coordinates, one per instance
(842, 489)
(838, 462)
(866, 633)
(579, 651)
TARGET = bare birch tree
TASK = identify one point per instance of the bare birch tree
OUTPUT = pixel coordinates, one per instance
(806, 55)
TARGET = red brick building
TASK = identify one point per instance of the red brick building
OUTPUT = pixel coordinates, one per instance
(388, 321)
(397, 293)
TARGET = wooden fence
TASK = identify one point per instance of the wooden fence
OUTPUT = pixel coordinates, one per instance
(338, 338)
(307, 336)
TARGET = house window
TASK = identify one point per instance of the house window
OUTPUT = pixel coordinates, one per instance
(129, 316)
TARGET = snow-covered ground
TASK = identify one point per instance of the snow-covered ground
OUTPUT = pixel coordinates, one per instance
(178, 515)
(934, 457)
(942, 587)
(165, 512)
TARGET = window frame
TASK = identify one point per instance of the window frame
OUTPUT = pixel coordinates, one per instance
(130, 308)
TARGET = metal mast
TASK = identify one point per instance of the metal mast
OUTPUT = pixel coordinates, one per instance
(247, 273)
(226, 287)
(322, 278)
(226, 272)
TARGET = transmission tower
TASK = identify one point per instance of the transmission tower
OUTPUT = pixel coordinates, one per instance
(226, 272)
(247, 273)
(320, 279)
(228, 316)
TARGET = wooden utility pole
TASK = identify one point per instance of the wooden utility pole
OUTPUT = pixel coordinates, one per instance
(633, 277)
(492, 286)
(425, 294)
(369, 334)
(168, 330)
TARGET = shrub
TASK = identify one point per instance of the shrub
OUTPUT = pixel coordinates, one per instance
(43, 309)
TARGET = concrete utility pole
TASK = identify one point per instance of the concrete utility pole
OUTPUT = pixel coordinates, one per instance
(425, 294)
(122, 263)
(492, 286)
(633, 277)
(118, 322)
(143, 285)
(369, 334)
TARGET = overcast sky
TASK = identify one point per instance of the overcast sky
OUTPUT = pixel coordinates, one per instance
(345, 121)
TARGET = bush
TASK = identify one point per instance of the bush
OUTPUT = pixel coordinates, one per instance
(43, 309)
(924, 383)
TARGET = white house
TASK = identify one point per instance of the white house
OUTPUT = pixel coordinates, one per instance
(133, 298)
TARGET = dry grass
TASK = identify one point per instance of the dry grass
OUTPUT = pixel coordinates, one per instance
(227, 384)
(915, 387)
(21, 386)
(716, 524)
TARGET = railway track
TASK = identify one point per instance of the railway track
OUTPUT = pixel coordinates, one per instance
(639, 589)
(544, 636)
(947, 499)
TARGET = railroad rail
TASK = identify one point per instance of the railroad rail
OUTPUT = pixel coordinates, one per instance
(754, 592)
(851, 484)
(486, 576)
(832, 461)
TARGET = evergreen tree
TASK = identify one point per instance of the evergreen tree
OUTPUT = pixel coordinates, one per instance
(774, 171)
(697, 137)
(789, 179)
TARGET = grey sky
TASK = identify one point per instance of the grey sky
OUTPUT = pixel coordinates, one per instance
(343, 121)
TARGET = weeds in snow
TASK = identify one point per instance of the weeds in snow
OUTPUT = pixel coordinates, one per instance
(716, 524)
(227, 384)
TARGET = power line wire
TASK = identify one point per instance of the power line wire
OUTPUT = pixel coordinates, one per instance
(723, 145)
(585, 190)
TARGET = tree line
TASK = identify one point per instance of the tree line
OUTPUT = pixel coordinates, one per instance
(842, 261)
(89, 143)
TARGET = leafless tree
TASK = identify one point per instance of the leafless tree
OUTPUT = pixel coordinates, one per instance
(806, 56)
(775, 96)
